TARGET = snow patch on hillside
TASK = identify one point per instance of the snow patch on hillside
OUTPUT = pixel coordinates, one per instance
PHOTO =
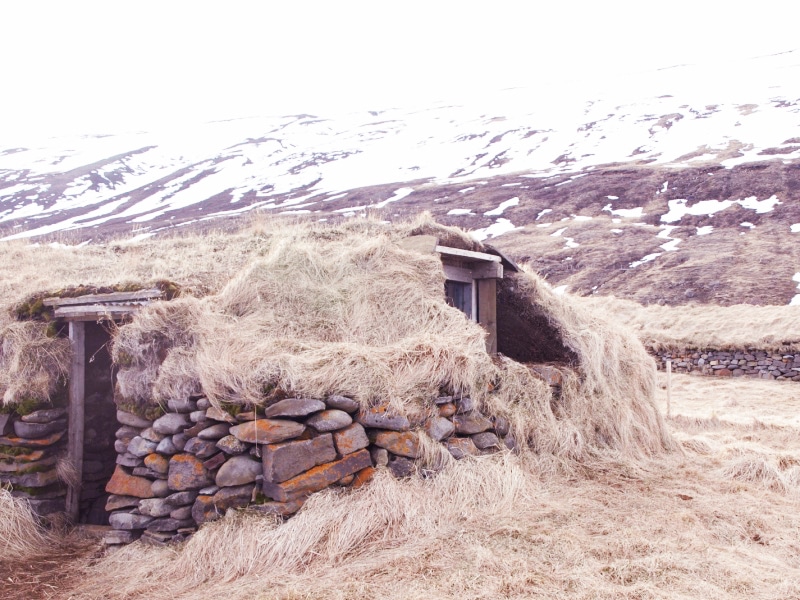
(679, 208)
(398, 195)
(796, 300)
(494, 230)
(644, 259)
(496, 212)
(625, 213)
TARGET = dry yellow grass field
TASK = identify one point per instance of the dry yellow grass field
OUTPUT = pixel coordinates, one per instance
(701, 505)
(706, 326)
(720, 519)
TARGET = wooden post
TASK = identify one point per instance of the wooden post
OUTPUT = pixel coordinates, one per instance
(669, 386)
(77, 337)
(487, 307)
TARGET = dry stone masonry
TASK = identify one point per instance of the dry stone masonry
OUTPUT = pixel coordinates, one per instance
(196, 461)
(30, 445)
(744, 363)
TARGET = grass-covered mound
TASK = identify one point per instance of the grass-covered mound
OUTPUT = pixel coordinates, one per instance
(345, 310)
(312, 309)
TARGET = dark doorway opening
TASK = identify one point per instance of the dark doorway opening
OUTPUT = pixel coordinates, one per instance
(459, 295)
(524, 332)
(100, 425)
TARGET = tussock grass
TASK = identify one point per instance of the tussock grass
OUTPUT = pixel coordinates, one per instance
(520, 526)
(21, 534)
(334, 530)
(756, 469)
(734, 327)
(31, 364)
(502, 526)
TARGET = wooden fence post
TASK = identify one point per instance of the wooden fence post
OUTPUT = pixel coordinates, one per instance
(669, 387)
(77, 337)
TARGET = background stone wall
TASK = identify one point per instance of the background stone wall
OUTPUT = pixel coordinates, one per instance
(743, 363)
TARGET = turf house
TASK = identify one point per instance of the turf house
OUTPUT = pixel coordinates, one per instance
(292, 359)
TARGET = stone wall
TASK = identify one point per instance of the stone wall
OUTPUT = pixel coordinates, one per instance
(30, 446)
(742, 363)
(195, 462)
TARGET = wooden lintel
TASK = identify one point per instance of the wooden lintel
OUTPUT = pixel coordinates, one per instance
(152, 294)
(488, 271)
(458, 274)
(75, 424)
(467, 254)
(95, 312)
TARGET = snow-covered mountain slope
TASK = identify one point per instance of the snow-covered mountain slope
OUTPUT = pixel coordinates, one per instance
(660, 152)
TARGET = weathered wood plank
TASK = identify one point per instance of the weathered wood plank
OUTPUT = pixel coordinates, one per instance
(77, 389)
(447, 251)
(487, 311)
(488, 271)
(99, 298)
(94, 312)
(508, 263)
(457, 274)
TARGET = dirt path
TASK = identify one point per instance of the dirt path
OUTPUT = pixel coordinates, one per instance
(48, 576)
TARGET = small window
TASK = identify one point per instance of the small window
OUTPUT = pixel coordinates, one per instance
(459, 295)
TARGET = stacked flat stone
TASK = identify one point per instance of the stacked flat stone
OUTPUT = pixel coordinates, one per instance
(466, 431)
(29, 448)
(745, 363)
(196, 462)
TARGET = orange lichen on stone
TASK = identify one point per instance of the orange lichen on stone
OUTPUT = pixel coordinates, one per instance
(186, 472)
(124, 484)
(267, 431)
(363, 476)
(15, 441)
(404, 443)
(318, 478)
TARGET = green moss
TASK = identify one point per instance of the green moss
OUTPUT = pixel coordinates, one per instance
(28, 405)
(12, 451)
(151, 413)
(272, 393)
(261, 498)
(32, 491)
(128, 287)
(169, 288)
(123, 359)
(33, 309)
(35, 469)
(231, 409)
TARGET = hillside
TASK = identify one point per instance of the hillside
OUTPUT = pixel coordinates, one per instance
(682, 186)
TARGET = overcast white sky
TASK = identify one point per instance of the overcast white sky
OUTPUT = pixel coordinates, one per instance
(86, 66)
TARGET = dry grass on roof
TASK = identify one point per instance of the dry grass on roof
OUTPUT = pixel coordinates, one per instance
(33, 365)
(345, 310)
(313, 309)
